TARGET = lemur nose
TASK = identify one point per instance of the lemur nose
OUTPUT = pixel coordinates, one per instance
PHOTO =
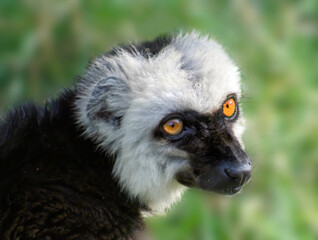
(239, 174)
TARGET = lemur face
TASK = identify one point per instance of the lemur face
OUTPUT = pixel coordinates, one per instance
(170, 113)
(216, 159)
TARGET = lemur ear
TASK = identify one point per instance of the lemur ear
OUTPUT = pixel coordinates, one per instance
(106, 101)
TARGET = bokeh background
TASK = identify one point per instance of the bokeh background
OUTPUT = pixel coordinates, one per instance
(45, 44)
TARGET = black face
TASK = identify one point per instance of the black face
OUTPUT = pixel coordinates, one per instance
(218, 162)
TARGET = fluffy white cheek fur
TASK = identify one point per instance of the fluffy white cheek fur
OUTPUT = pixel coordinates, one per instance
(148, 175)
(144, 167)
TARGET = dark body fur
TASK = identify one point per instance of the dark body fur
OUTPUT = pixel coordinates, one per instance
(54, 184)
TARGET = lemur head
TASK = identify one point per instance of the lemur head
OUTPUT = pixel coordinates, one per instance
(169, 111)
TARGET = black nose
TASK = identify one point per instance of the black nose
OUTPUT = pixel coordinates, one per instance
(238, 173)
(227, 177)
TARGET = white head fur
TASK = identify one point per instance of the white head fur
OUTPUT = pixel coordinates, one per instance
(191, 72)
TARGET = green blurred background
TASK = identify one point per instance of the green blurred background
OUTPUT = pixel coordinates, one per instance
(45, 44)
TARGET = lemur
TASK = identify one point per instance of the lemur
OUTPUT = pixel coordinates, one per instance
(144, 123)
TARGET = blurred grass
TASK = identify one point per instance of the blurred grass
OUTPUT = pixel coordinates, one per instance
(45, 44)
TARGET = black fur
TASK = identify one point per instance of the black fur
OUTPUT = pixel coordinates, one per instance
(54, 184)
(147, 49)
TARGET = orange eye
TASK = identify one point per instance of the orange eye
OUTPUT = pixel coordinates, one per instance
(229, 107)
(173, 127)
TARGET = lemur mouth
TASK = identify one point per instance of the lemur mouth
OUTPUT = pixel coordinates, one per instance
(229, 191)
